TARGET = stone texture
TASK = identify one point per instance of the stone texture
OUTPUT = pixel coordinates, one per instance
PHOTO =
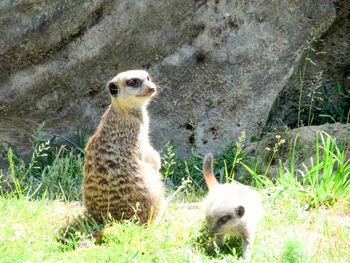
(334, 62)
(219, 64)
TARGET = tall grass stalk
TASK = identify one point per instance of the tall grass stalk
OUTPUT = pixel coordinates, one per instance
(315, 87)
(15, 180)
(302, 70)
(236, 159)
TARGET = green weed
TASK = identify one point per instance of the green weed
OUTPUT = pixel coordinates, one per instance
(54, 173)
(324, 182)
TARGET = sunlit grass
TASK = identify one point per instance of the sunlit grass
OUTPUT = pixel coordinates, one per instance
(287, 233)
(306, 218)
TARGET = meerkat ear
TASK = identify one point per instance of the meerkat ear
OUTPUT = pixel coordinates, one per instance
(113, 89)
(240, 211)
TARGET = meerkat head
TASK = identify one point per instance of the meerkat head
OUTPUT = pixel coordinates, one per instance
(132, 88)
(224, 219)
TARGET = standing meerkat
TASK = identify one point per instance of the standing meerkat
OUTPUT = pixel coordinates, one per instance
(121, 171)
(232, 209)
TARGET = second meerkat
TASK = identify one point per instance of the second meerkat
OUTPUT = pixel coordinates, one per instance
(121, 171)
(231, 208)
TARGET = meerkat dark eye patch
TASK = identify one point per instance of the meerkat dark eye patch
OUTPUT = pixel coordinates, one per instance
(224, 219)
(134, 83)
(113, 89)
(240, 211)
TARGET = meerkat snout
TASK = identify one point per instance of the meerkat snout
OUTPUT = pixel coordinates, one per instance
(150, 86)
(152, 89)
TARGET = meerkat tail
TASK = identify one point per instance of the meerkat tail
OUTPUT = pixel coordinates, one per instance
(208, 173)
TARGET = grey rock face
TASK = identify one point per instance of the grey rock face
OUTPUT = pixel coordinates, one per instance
(219, 64)
(332, 58)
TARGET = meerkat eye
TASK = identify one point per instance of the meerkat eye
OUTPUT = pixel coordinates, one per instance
(134, 83)
(224, 219)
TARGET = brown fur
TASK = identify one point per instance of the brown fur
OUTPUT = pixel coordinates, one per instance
(208, 174)
(121, 171)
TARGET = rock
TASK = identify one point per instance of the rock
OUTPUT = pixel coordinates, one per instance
(219, 64)
(305, 152)
(331, 56)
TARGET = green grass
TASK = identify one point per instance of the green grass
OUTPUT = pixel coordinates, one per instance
(306, 219)
(287, 233)
(27, 230)
(323, 183)
(57, 179)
